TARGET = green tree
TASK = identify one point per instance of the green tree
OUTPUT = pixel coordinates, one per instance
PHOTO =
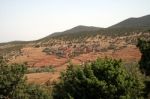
(101, 79)
(144, 46)
(38, 92)
(13, 83)
(11, 76)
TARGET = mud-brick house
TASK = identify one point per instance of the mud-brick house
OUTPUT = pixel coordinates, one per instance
(60, 52)
(88, 49)
(96, 47)
(68, 52)
(76, 52)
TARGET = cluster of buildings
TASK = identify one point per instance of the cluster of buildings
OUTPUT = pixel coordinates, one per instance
(72, 50)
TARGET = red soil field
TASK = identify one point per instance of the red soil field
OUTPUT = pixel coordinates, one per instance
(128, 54)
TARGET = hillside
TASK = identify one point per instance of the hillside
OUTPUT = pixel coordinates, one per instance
(79, 28)
(78, 45)
(126, 27)
(134, 22)
(80, 35)
(73, 31)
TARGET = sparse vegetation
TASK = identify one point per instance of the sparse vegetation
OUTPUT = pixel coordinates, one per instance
(37, 46)
(40, 69)
(112, 47)
(100, 79)
(9, 52)
(47, 51)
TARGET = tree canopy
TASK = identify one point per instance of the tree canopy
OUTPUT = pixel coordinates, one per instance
(13, 83)
(100, 79)
(144, 46)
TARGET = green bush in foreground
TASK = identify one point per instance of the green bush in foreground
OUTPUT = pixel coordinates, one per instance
(38, 92)
(11, 76)
(144, 46)
(101, 79)
(13, 83)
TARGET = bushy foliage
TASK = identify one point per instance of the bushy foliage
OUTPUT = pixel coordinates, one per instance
(7, 51)
(144, 46)
(41, 69)
(31, 91)
(13, 83)
(11, 76)
(101, 79)
(38, 92)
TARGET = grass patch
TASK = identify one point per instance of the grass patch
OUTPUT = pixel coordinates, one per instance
(40, 69)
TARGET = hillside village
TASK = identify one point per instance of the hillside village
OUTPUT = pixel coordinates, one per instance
(74, 49)
(78, 45)
(68, 50)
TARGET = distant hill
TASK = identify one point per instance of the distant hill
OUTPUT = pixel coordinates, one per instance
(124, 33)
(14, 43)
(77, 29)
(81, 28)
(134, 22)
(136, 25)
(130, 25)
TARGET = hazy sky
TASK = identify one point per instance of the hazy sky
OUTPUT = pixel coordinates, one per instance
(33, 19)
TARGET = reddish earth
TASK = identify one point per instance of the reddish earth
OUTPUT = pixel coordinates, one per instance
(42, 78)
(36, 58)
(131, 53)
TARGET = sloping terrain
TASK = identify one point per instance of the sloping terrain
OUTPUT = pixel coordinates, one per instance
(78, 45)
(134, 22)
(129, 54)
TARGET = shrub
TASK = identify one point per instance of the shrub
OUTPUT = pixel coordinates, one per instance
(13, 83)
(47, 51)
(101, 79)
(37, 46)
(144, 46)
(144, 63)
(38, 92)
(40, 69)
(11, 76)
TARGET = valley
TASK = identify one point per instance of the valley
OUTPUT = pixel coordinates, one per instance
(78, 45)
(60, 53)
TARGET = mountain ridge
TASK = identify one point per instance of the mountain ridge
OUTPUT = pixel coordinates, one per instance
(138, 22)
(143, 21)
(130, 26)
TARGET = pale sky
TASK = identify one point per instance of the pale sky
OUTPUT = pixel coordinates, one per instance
(34, 19)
